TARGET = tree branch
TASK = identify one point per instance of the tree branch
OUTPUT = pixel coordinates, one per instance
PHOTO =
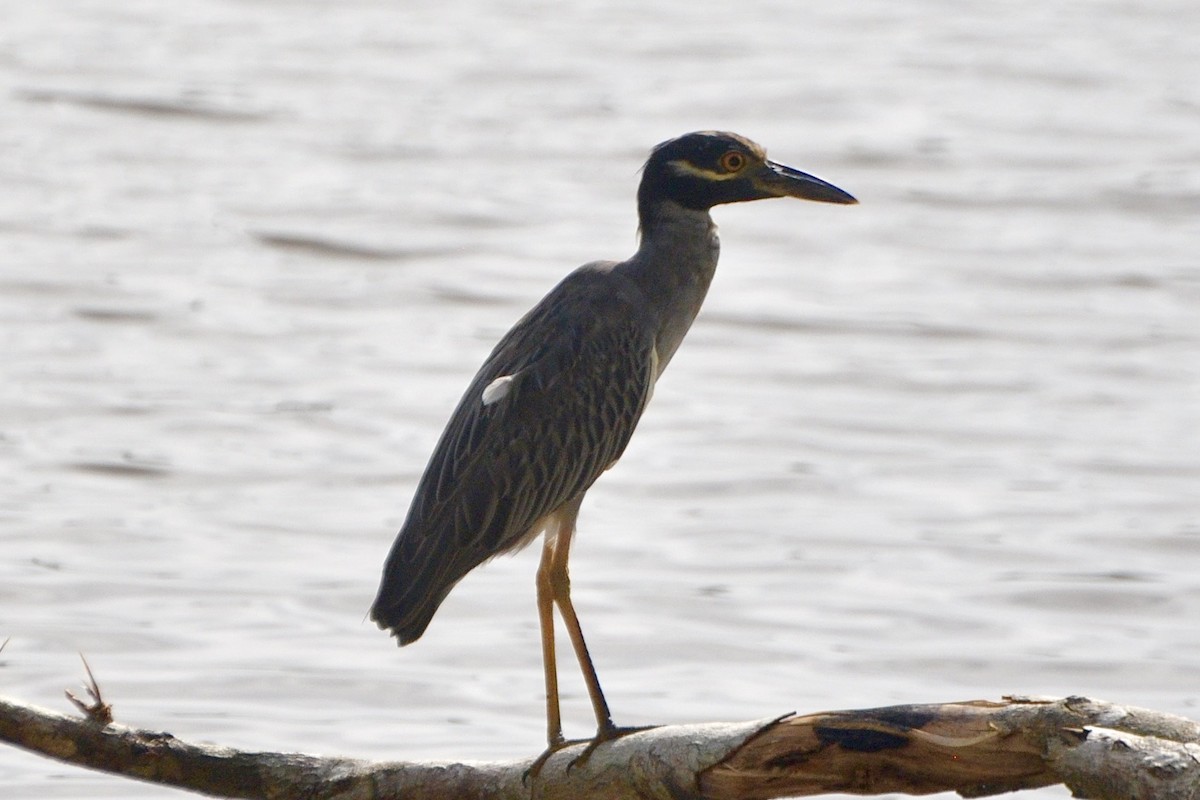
(976, 748)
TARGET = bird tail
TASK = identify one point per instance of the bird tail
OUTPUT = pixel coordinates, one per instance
(413, 586)
(406, 603)
(405, 621)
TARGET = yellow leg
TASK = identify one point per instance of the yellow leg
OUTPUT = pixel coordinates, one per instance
(545, 605)
(559, 525)
(554, 589)
(560, 585)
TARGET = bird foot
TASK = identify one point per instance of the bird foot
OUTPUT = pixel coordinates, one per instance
(605, 734)
(535, 768)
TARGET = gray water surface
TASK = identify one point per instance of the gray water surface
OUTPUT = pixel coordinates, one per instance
(943, 445)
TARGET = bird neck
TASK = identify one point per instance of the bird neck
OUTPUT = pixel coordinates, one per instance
(673, 267)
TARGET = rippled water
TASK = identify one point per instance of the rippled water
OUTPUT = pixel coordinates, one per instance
(942, 445)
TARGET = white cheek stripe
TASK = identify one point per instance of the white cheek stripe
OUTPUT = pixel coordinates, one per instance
(686, 168)
(497, 390)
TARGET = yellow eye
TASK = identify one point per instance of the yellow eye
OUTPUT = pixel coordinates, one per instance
(733, 161)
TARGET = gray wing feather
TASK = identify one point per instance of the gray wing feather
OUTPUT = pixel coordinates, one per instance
(582, 369)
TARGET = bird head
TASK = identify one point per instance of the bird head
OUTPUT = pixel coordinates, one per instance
(707, 168)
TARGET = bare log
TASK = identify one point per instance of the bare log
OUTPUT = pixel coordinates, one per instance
(663, 762)
(976, 748)
(1112, 763)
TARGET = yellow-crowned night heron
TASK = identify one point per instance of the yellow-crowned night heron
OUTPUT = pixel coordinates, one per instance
(556, 402)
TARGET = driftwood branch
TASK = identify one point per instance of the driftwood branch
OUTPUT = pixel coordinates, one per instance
(976, 748)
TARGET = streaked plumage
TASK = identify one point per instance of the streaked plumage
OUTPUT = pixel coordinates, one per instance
(581, 365)
(557, 401)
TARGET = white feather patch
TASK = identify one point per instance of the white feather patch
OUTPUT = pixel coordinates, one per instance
(497, 390)
(682, 167)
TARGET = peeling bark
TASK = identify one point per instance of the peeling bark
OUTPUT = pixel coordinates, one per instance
(976, 748)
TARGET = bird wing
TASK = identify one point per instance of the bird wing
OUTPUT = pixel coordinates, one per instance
(553, 406)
